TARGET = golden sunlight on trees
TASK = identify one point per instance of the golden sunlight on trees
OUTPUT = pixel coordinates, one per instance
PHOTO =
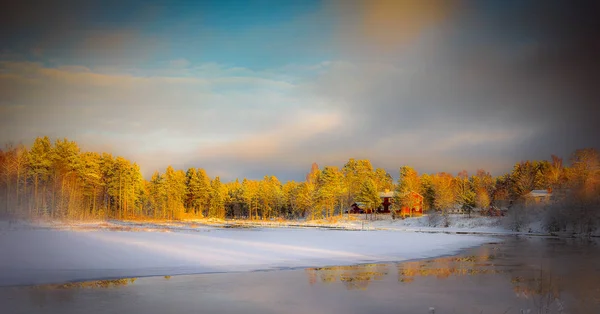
(482, 199)
(56, 180)
(444, 191)
(482, 184)
(330, 189)
(409, 181)
(369, 196)
(216, 208)
(465, 194)
(577, 208)
(355, 172)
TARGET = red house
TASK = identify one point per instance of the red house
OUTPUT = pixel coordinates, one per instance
(387, 199)
(417, 205)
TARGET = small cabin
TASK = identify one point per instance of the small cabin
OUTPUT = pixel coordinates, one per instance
(357, 208)
(386, 201)
(538, 197)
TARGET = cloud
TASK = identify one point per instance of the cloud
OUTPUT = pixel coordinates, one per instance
(383, 28)
(78, 32)
(157, 120)
(441, 86)
(283, 137)
(470, 83)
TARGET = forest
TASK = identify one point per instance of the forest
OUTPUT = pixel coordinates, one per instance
(59, 181)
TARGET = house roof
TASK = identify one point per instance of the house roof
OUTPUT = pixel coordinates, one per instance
(392, 193)
(360, 205)
(539, 193)
(386, 194)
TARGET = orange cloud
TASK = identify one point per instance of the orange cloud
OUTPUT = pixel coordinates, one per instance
(305, 126)
(392, 22)
(386, 25)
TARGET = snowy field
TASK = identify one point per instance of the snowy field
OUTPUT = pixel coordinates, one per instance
(456, 223)
(52, 254)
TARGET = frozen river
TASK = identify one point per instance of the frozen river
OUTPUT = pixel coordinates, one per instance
(37, 256)
(531, 274)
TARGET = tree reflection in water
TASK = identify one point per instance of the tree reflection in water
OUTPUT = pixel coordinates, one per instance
(444, 267)
(548, 273)
(353, 277)
(64, 292)
(87, 284)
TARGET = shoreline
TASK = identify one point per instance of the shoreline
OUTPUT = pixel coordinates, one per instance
(205, 225)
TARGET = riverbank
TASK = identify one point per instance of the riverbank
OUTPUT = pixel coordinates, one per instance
(457, 224)
(452, 224)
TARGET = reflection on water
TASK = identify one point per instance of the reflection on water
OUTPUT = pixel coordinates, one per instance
(87, 284)
(353, 277)
(40, 295)
(359, 276)
(539, 275)
(544, 272)
(445, 267)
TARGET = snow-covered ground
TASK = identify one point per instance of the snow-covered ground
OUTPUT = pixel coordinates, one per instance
(456, 223)
(57, 252)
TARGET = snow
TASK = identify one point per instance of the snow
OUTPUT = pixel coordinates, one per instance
(55, 253)
(539, 193)
(457, 224)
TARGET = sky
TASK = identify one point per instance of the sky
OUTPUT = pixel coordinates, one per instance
(259, 87)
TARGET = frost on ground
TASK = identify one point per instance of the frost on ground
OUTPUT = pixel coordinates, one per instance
(455, 224)
(452, 224)
(47, 255)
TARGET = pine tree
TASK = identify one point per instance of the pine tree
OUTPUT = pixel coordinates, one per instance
(192, 183)
(66, 163)
(355, 173)
(158, 196)
(525, 177)
(369, 196)
(107, 168)
(8, 172)
(289, 191)
(217, 205)
(444, 191)
(204, 190)
(408, 182)
(20, 165)
(351, 181)
(464, 191)
(428, 192)
(176, 189)
(250, 194)
(138, 190)
(305, 196)
(91, 180)
(383, 180)
(329, 189)
(235, 203)
(482, 185)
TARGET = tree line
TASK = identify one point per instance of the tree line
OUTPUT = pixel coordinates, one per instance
(58, 180)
